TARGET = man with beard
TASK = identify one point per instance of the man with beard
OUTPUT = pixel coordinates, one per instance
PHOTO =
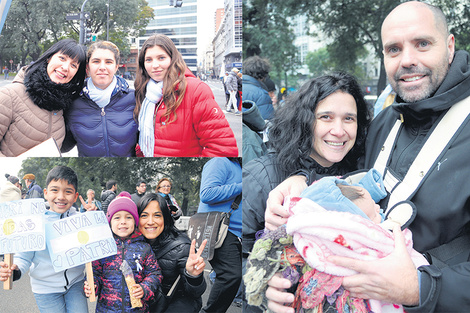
(432, 81)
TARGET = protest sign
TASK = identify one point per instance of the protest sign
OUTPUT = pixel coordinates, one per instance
(79, 239)
(22, 226)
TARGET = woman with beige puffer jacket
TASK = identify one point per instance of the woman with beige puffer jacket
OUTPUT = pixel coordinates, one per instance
(31, 107)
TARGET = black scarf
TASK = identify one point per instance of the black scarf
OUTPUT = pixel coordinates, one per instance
(45, 93)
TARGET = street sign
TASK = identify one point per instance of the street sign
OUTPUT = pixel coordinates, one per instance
(72, 16)
(11, 61)
(86, 15)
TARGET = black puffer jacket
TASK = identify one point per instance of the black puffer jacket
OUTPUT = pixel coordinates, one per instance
(443, 199)
(106, 197)
(172, 253)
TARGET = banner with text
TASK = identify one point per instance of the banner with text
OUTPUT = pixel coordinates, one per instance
(22, 226)
(79, 239)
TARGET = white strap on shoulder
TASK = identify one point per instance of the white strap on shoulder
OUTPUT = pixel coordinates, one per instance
(429, 153)
(385, 152)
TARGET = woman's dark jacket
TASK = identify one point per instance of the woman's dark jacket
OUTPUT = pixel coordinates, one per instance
(172, 253)
(103, 132)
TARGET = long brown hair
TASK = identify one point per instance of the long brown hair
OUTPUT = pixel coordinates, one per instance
(174, 83)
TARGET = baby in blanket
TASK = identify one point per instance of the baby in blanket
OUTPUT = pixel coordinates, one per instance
(332, 217)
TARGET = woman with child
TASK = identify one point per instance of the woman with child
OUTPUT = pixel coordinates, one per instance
(114, 295)
(320, 130)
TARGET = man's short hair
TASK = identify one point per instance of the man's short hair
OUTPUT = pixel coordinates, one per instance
(256, 67)
(110, 184)
(141, 181)
(62, 173)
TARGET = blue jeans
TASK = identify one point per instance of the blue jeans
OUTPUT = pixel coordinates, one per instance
(70, 301)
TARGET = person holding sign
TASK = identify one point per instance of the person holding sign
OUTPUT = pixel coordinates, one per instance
(113, 294)
(54, 291)
(182, 267)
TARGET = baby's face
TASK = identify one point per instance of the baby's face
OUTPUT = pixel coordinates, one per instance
(368, 206)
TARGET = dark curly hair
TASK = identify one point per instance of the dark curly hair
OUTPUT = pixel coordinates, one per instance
(291, 133)
(256, 67)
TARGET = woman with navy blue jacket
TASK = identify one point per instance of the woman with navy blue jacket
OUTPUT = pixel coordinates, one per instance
(101, 122)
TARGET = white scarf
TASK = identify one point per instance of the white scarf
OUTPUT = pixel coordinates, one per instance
(101, 96)
(146, 124)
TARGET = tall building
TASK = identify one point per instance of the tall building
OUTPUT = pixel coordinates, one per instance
(178, 23)
(228, 38)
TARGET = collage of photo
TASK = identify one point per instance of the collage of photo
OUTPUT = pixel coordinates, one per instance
(234, 156)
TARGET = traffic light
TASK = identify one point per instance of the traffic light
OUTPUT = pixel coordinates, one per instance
(88, 35)
(176, 3)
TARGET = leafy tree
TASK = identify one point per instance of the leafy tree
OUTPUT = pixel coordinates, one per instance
(93, 173)
(318, 62)
(354, 24)
(267, 32)
(33, 26)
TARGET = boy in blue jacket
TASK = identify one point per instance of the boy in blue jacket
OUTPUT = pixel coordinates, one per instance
(55, 292)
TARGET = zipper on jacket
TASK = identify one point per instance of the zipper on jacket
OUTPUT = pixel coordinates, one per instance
(66, 280)
(105, 131)
(49, 130)
(123, 284)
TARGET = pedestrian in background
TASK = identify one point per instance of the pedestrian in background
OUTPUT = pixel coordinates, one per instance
(11, 190)
(163, 189)
(108, 195)
(140, 188)
(90, 204)
(232, 86)
(177, 113)
(255, 71)
(6, 71)
(34, 190)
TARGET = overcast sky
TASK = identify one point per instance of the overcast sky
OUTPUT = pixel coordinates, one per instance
(205, 22)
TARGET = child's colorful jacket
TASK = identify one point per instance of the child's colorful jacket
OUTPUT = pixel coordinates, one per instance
(113, 294)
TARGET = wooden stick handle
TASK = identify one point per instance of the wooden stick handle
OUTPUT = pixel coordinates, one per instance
(91, 281)
(8, 284)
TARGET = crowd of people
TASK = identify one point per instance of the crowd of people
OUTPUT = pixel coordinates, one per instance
(167, 267)
(76, 98)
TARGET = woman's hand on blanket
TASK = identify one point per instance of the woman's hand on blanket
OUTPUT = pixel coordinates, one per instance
(275, 214)
(392, 279)
(278, 296)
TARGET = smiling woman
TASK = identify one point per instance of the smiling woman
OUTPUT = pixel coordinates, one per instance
(177, 113)
(182, 268)
(100, 122)
(31, 109)
(320, 131)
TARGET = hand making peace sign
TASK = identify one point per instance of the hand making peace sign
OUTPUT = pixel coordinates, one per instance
(87, 206)
(195, 264)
